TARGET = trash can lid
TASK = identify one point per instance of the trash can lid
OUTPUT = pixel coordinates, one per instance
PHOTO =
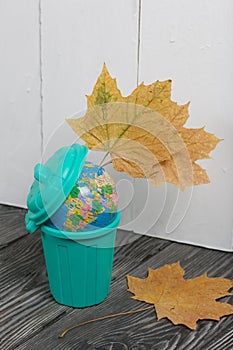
(53, 182)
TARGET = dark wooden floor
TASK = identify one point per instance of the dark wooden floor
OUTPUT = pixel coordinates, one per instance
(31, 319)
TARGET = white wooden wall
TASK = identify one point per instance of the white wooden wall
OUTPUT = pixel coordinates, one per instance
(20, 139)
(191, 43)
(51, 53)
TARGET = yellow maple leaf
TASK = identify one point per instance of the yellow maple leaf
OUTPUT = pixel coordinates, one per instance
(182, 301)
(105, 90)
(144, 133)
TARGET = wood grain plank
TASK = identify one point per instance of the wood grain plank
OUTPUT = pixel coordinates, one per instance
(26, 300)
(11, 223)
(143, 331)
(22, 268)
(31, 319)
(135, 249)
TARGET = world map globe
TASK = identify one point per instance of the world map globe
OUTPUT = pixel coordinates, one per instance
(92, 203)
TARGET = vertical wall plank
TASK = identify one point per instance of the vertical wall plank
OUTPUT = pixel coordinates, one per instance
(20, 99)
(190, 42)
(77, 38)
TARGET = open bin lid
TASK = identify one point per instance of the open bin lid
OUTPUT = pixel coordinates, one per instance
(53, 182)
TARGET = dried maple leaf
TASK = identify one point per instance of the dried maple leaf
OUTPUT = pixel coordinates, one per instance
(182, 301)
(144, 133)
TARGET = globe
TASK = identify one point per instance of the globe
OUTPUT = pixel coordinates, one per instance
(91, 204)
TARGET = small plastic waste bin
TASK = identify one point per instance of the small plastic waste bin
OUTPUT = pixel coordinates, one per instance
(79, 264)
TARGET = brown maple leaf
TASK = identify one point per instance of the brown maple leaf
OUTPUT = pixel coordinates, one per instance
(182, 301)
(144, 133)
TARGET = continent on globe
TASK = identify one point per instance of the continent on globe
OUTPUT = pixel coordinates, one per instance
(91, 204)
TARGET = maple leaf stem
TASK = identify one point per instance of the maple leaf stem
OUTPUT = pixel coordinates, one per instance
(104, 318)
(107, 163)
(100, 164)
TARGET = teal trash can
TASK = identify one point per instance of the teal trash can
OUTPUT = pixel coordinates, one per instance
(79, 264)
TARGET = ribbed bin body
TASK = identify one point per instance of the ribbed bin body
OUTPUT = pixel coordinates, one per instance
(79, 264)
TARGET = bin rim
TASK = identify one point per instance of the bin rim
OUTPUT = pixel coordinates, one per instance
(82, 235)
